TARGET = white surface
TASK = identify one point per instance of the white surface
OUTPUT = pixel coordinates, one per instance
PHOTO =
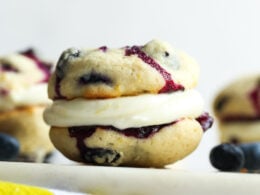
(62, 192)
(126, 181)
(223, 35)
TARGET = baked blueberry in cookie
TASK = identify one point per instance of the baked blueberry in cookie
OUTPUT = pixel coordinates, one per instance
(237, 108)
(132, 106)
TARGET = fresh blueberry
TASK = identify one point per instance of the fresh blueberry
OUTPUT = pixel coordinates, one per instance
(252, 155)
(9, 147)
(227, 157)
(94, 78)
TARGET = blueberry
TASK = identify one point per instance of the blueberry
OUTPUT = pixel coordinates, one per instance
(227, 157)
(219, 105)
(6, 67)
(234, 140)
(141, 132)
(9, 147)
(63, 61)
(102, 156)
(94, 78)
(103, 48)
(252, 155)
(166, 54)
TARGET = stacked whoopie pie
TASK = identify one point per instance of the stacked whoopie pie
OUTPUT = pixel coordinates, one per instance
(132, 106)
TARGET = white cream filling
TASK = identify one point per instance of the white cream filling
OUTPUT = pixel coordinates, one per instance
(34, 95)
(125, 112)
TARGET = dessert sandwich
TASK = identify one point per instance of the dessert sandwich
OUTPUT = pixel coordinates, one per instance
(23, 98)
(133, 106)
(237, 109)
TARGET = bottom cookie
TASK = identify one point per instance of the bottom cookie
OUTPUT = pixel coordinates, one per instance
(106, 146)
(27, 126)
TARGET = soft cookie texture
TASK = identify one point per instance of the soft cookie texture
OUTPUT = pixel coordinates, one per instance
(23, 97)
(107, 73)
(172, 143)
(105, 79)
(237, 108)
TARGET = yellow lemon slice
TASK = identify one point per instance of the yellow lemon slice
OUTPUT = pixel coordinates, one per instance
(8, 188)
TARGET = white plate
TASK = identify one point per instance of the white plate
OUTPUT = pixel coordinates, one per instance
(119, 180)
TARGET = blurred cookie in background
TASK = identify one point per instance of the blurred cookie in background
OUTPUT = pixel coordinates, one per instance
(23, 97)
(237, 110)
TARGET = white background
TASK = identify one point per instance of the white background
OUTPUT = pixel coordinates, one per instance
(223, 35)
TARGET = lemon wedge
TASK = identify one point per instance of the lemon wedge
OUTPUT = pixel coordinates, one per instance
(8, 188)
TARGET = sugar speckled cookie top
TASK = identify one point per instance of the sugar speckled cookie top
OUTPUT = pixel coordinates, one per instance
(105, 73)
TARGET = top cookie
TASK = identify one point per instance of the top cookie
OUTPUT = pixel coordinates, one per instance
(106, 73)
(239, 100)
(21, 70)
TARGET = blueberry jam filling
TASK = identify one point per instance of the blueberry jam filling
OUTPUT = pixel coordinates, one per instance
(94, 78)
(170, 85)
(255, 98)
(3, 92)
(62, 64)
(43, 66)
(90, 155)
(205, 120)
(57, 89)
(240, 118)
(6, 67)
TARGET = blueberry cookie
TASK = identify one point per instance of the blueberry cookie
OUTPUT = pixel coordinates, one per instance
(23, 98)
(129, 71)
(133, 106)
(237, 108)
